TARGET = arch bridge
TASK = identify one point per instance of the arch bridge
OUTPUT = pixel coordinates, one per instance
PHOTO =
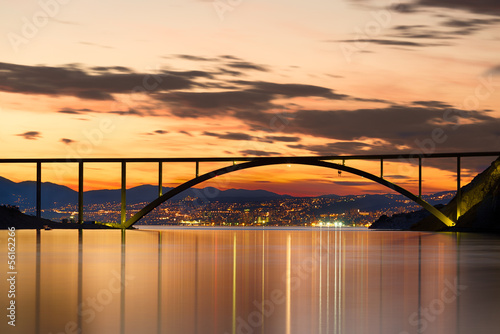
(337, 162)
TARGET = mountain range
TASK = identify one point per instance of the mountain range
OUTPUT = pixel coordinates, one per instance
(23, 195)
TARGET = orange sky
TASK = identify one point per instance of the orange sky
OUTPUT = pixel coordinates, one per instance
(197, 78)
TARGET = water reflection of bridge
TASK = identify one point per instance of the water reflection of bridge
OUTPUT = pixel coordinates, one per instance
(240, 163)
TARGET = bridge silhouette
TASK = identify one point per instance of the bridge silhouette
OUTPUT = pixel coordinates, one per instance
(241, 163)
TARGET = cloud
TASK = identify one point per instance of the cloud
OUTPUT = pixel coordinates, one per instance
(67, 141)
(337, 148)
(494, 70)
(194, 58)
(251, 96)
(91, 84)
(246, 66)
(488, 7)
(111, 69)
(230, 135)
(432, 104)
(258, 153)
(352, 183)
(390, 42)
(74, 111)
(160, 132)
(31, 135)
(126, 112)
(186, 133)
(388, 130)
(285, 139)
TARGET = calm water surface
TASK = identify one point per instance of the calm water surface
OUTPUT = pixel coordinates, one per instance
(211, 280)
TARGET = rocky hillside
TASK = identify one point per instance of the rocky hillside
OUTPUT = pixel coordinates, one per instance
(479, 207)
(11, 217)
(401, 221)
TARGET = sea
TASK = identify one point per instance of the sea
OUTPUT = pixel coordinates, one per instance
(222, 280)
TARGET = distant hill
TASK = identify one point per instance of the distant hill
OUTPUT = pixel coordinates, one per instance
(54, 196)
(23, 194)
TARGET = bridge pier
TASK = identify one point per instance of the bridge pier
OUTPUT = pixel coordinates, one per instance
(459, 192)
(80, 192)
(124, 194)
(420, 177)
(39, 190)
(160, 179)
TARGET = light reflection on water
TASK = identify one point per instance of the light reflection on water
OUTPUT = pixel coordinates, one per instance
(200, 280)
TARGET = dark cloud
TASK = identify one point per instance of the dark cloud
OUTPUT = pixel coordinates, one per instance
(72, 80)
(216, 102)
(390, 42)
(111, 69)
(258, 153)
(130, 112)
(253, 96)
(419, 31)
(67, 141)
(230, 135)
(432, 104)
(292, 90)
(398, 177)
(489, 7)
(494, 71)
(194, 58)
(230, 57)
(336, 148)
(230, 72)
(31, 135)
(391, 129)
(186, 133)
(247, 66)
(160, 132)
(405, 8)
(74, 111)
(283, 139)
(352, 183)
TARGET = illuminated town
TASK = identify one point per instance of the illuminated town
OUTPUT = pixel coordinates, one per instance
(304, 211)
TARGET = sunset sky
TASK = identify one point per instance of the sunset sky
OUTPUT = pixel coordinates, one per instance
(202, 78)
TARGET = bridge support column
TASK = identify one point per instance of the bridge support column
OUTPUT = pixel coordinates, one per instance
(459, 192)
(80, 192)
(124, 194)
(197, 168)
(160, 179)
(420, 177)
(381, 168)
(38, 189)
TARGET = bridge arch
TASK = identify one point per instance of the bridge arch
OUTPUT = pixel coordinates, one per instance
(276, 161)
